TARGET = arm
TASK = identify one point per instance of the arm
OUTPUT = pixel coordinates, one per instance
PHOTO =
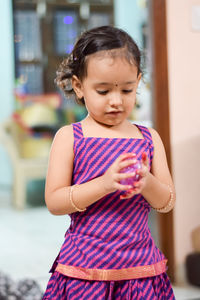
(59, 174)
(154, 185)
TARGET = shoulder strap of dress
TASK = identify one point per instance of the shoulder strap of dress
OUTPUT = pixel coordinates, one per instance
(147, 135)
(145, 132)
(77, 129)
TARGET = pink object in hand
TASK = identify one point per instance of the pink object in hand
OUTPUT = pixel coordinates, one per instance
(130, 169)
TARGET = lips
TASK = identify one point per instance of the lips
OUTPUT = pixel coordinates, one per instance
(115, 112)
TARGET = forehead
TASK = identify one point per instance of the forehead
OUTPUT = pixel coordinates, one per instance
(105, 67)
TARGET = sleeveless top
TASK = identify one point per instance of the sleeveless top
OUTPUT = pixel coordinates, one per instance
(113, 233)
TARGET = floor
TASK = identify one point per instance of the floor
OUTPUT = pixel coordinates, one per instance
(31, 240)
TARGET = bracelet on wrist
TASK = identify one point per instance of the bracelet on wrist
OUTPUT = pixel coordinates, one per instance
(72, 201)
(169, 202)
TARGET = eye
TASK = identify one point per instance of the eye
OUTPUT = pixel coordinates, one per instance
(127, 91)
(102, 92)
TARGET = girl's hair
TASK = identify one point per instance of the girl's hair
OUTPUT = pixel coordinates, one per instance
(92, 41)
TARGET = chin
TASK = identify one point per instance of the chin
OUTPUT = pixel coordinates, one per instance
(113, 122)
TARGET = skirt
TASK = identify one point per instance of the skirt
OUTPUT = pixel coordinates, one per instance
(61, 287)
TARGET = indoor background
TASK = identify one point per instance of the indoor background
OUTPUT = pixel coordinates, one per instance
(35, 36)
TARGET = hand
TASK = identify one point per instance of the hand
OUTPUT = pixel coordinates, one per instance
(140, 184)
(112, 176)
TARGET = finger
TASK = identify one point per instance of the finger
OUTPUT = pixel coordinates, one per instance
(123, 157)
(122, 187)
(145, 160)
(125, 196)
(126, 155)
(130, 193)
(137, 190)
(121, 176)
(126, 163)
(139, 183)
(142, 172)
(137, 186)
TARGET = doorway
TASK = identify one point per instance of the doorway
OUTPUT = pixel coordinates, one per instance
(161, 113)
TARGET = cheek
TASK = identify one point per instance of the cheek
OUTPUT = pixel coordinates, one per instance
(94, 104)
(98, 107)
(130, 103)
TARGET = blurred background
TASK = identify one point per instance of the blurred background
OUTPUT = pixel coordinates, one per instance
(35, 36)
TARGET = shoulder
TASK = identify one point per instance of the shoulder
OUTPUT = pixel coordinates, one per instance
(63, 138)
(64, 132)
(150, 134)
(157, 142)
(155, 135)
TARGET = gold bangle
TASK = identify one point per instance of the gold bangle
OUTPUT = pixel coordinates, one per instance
(169, 203)
(71, 200)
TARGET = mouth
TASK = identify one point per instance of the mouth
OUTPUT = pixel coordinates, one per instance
(114, 112)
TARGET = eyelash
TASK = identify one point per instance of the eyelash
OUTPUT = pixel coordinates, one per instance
(105, 92)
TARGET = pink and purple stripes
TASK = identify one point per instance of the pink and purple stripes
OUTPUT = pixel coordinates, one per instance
(62, 287)
(112, 233)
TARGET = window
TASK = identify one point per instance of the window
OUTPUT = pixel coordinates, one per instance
(45, 32)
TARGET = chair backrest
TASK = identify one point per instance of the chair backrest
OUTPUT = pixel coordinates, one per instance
(22, 145)
(10, 138)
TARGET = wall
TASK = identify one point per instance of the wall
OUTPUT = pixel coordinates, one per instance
(184, 93)
(6, 82)
(130, 22)
(129, 15)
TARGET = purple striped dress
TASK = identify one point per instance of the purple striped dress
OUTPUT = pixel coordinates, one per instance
(112, 234)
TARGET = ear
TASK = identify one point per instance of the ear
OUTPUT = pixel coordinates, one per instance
(139, 77)
(77, 86)
(138, 80)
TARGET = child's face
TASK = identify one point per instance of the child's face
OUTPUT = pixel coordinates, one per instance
(109, 88)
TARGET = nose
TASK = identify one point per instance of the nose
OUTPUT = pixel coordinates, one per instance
(115, 99)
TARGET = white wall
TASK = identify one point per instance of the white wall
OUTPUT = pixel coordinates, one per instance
(184, 93)
(6, 81)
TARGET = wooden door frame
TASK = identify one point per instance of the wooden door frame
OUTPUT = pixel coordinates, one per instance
(161, 113)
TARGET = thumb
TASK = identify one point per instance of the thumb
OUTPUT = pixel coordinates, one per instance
(145, 159)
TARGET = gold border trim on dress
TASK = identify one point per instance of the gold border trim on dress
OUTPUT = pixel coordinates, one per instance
(113, 274)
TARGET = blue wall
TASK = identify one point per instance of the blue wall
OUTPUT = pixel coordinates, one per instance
(6, 82)
(129, 15)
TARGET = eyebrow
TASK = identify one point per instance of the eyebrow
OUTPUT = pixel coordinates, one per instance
(107, 83)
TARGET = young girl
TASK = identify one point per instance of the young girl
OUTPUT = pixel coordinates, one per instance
(108, 252)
